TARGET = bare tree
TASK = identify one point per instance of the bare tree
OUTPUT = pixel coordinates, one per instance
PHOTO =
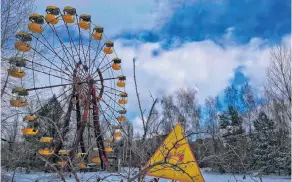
(188, 109)
(278, 88)
(181, 107)
(146, 121)
(169, 113)
(212, 107)
(248, 99)
(14, 18)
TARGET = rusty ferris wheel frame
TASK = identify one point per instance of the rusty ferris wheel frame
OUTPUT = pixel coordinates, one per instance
(66, 55)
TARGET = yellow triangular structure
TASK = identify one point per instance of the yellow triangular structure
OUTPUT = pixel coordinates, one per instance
(174, 159)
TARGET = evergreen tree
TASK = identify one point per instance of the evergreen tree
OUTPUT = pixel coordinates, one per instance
(265, 148)
(284, 152)
(51, 111)
(232, 133)
(231, 123)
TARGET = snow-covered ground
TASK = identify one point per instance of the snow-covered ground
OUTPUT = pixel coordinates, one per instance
(92, 177)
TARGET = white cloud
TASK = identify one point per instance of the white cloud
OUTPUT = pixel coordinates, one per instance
(137, 125)
(205, 65)
(258, 61)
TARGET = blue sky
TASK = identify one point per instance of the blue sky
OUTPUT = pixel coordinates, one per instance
(200, 19)
(202, 44)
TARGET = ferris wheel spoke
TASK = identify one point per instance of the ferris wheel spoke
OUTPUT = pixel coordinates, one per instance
(106, 69)
(107, 121)
(88, 50)
(70, 38)
(109, 62)
(63, 46)
(113, 89)
(111, 93)
(79, 37)
(82, 45)
(48, 74)
(113, 100)
(50, 49)
(56, 98)
(60, 69)
(66, 99)
(80, 42)
(33, 75)
(97, 72)
(92, 62)
(95, 57)
(108, 91)
(47, 67)
(108, 115)
(110, 107)
(53, 86)
(101, 61)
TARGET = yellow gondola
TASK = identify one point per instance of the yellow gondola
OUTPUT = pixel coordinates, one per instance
(64, 152)
(46, 152)
(16, 73)
(82, 165)
(22, 46)
(116, 65)
(51, 19)
(108, 149)
(46, 139)
(117, 127)
(35, 24)
(109, 140)
(17, 90)
(52, 10)
(29, 131)
(123, 111)
(30, 118)
(95, 160)
(68, 18)
(18, 61)
(52, 13)
(84, 25)
(97, 32)
(18, 102)
(61, 163)
(121, 118)
(121, 81)
(108, 47)
(20, 91)
(117, 135)
(23, 36)
(35, 28)
(99, 97)
(69, 13)
(84, 21)
(123, 99)
(36, 18)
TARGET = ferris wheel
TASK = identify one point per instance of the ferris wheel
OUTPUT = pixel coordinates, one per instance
(71, 58)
